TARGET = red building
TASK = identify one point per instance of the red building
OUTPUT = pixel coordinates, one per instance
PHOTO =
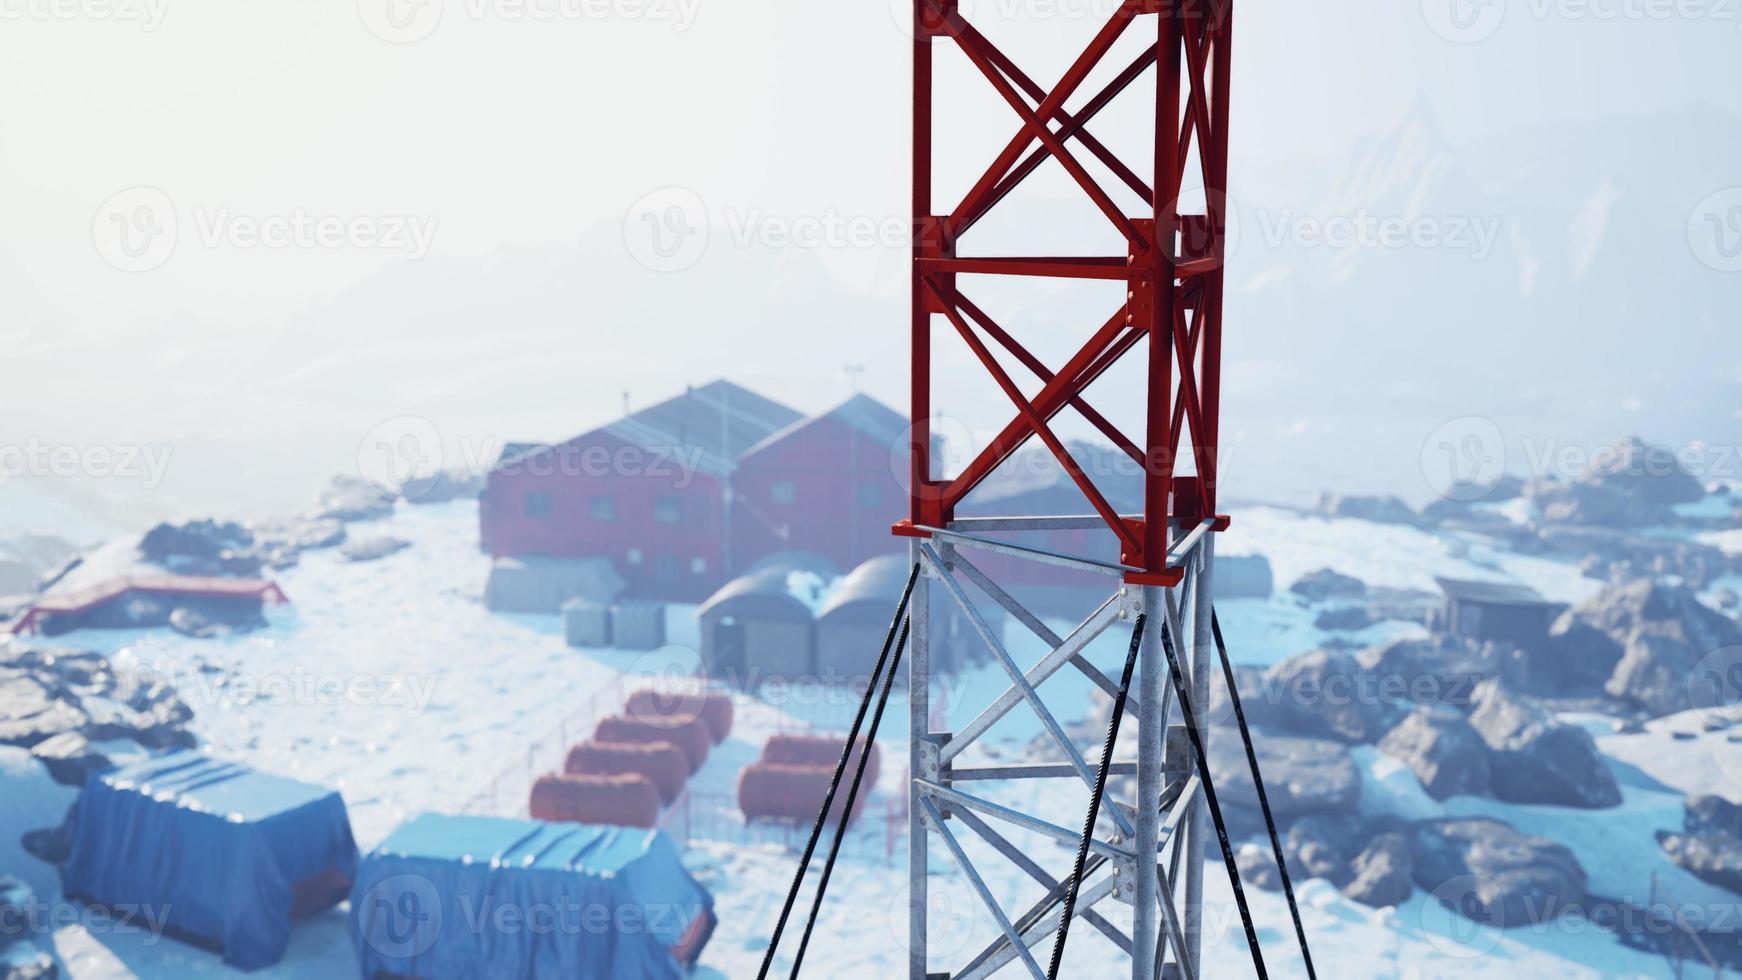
(827, 485)
(647, 492)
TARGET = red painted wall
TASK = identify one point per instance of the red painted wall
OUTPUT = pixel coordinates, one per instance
(544, 504)
(826, 488)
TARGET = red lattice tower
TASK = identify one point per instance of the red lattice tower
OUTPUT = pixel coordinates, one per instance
(1173, 280)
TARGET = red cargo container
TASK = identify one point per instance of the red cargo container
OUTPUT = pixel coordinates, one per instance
(661, 762)
(767, 791)
(661, 706)
(690, 735)
(621, 801)
(824, 751)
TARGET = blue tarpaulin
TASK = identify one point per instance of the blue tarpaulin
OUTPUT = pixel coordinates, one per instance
(449, 896)
(223, 853)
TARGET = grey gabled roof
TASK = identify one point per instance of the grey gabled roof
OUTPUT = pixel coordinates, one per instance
(869, 417)
(1492, 593)
(713, 424)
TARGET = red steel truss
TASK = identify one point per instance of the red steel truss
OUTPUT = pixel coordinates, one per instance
(1173, 281)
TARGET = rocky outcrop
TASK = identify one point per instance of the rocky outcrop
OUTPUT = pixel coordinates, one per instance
(373, 549)
(1713, 858)
(1383, 872)
(1327, 693)
(202, 548)
(1443, 750)
(1325, 585)
(1488, 871)
(1629, 484)
(59, 702)
(21, 958)
(349, 499)
(1652, 638)
(1710, 845)
(1439, 670)
(1303, 776)
(440, 488)
(1536, 759)
(1377, 509)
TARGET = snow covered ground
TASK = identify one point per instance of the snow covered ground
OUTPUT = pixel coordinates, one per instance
(389, 681)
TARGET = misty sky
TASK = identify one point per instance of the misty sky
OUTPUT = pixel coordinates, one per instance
(494, 133)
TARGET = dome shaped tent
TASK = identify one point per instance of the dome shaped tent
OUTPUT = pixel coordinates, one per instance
(761, 623)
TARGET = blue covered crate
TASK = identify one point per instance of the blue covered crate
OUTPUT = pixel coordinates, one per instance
(453, 896)
(227, 855)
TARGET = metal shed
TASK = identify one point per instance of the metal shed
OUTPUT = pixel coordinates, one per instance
(761, 623)
(1506, 611)
(854, 621)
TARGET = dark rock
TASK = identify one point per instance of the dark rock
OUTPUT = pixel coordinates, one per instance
(20, 956)
(441, 488)
(350, 499)
(1377, 509)
(208, 617)
(372, 549)
(1258, 868)
(1657, 642)
(1344, 619)
(166, 543)
(1325, 584)
(1302, 776)
(1319, 846)
(50, 845)
(1442, 669)
(1383, 872)
(70, 758)
(1327, 693)
(1491, 873)
(1628, 484)
(1535, 759)
(1443, 750)
(130, 612)
(1714, 858)
(1708, 814)
(49, 692)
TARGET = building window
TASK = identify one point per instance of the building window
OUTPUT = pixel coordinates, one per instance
(668, 510)
(537, 505)
(698, 566)
(783, 492)
(603, 508)
(634, 556)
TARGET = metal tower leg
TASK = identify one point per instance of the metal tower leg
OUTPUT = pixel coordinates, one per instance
(919, 756)
(1152, 728)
